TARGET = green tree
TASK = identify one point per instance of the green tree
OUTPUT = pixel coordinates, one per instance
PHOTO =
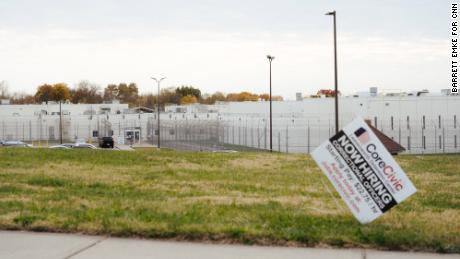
(128, 93)
(188, 90)
(111, 92)
(215, 97)
(169, 96)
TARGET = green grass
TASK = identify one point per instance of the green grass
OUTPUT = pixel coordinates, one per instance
(252, 198)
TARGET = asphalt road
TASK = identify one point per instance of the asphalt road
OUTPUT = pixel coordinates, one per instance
(26, 245)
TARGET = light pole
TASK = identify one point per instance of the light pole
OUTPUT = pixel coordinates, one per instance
(158, 106)
(270, 59)
(333, 13)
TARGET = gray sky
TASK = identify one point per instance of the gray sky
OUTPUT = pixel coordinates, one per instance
(221, 45)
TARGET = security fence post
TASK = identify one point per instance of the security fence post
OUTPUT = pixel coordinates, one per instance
(287, 139)
(279, 141)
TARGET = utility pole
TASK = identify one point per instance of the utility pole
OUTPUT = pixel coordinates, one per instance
(270, 59)
(334, 14)
(158, 106)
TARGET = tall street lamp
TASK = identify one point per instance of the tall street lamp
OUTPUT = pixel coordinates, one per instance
(270, 59)
(333, 13)
(158, 106)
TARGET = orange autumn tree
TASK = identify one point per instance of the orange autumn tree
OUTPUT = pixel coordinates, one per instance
(61, 92)
(44, 93)
(242, 97)
(188, 99)
(266, 97)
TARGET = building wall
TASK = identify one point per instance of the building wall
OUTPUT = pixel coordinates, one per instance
(401, 118)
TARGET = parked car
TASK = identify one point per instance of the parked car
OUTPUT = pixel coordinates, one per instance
(106, 142)
(84, 145)
(15, 144)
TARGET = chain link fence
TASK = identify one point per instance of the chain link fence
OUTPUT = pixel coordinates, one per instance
(292, 133)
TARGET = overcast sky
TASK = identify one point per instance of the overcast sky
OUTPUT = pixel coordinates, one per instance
(219, 45)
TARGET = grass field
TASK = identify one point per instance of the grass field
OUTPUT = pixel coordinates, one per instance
(253, 198)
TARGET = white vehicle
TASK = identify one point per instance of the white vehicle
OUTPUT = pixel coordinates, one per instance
(15, 144)
(84, 145)
(73, 145)
(59, 147)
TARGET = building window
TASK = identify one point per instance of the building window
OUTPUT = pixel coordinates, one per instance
(408, 123)
(392, 123)
(423, 122)
(95, 133)
(455, 121)
(375, 121)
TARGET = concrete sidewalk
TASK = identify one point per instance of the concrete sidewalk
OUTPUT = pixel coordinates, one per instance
(25, 245)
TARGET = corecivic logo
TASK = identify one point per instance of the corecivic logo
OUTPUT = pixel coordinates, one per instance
(388, 171)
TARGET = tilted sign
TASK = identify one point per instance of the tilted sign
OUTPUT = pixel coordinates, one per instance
(363, 172)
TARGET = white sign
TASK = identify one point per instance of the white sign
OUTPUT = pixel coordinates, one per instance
(120, 140)
(363, 172)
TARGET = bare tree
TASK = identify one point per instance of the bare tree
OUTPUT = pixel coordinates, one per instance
(4, 91)
(22, 98)
(86, 92)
